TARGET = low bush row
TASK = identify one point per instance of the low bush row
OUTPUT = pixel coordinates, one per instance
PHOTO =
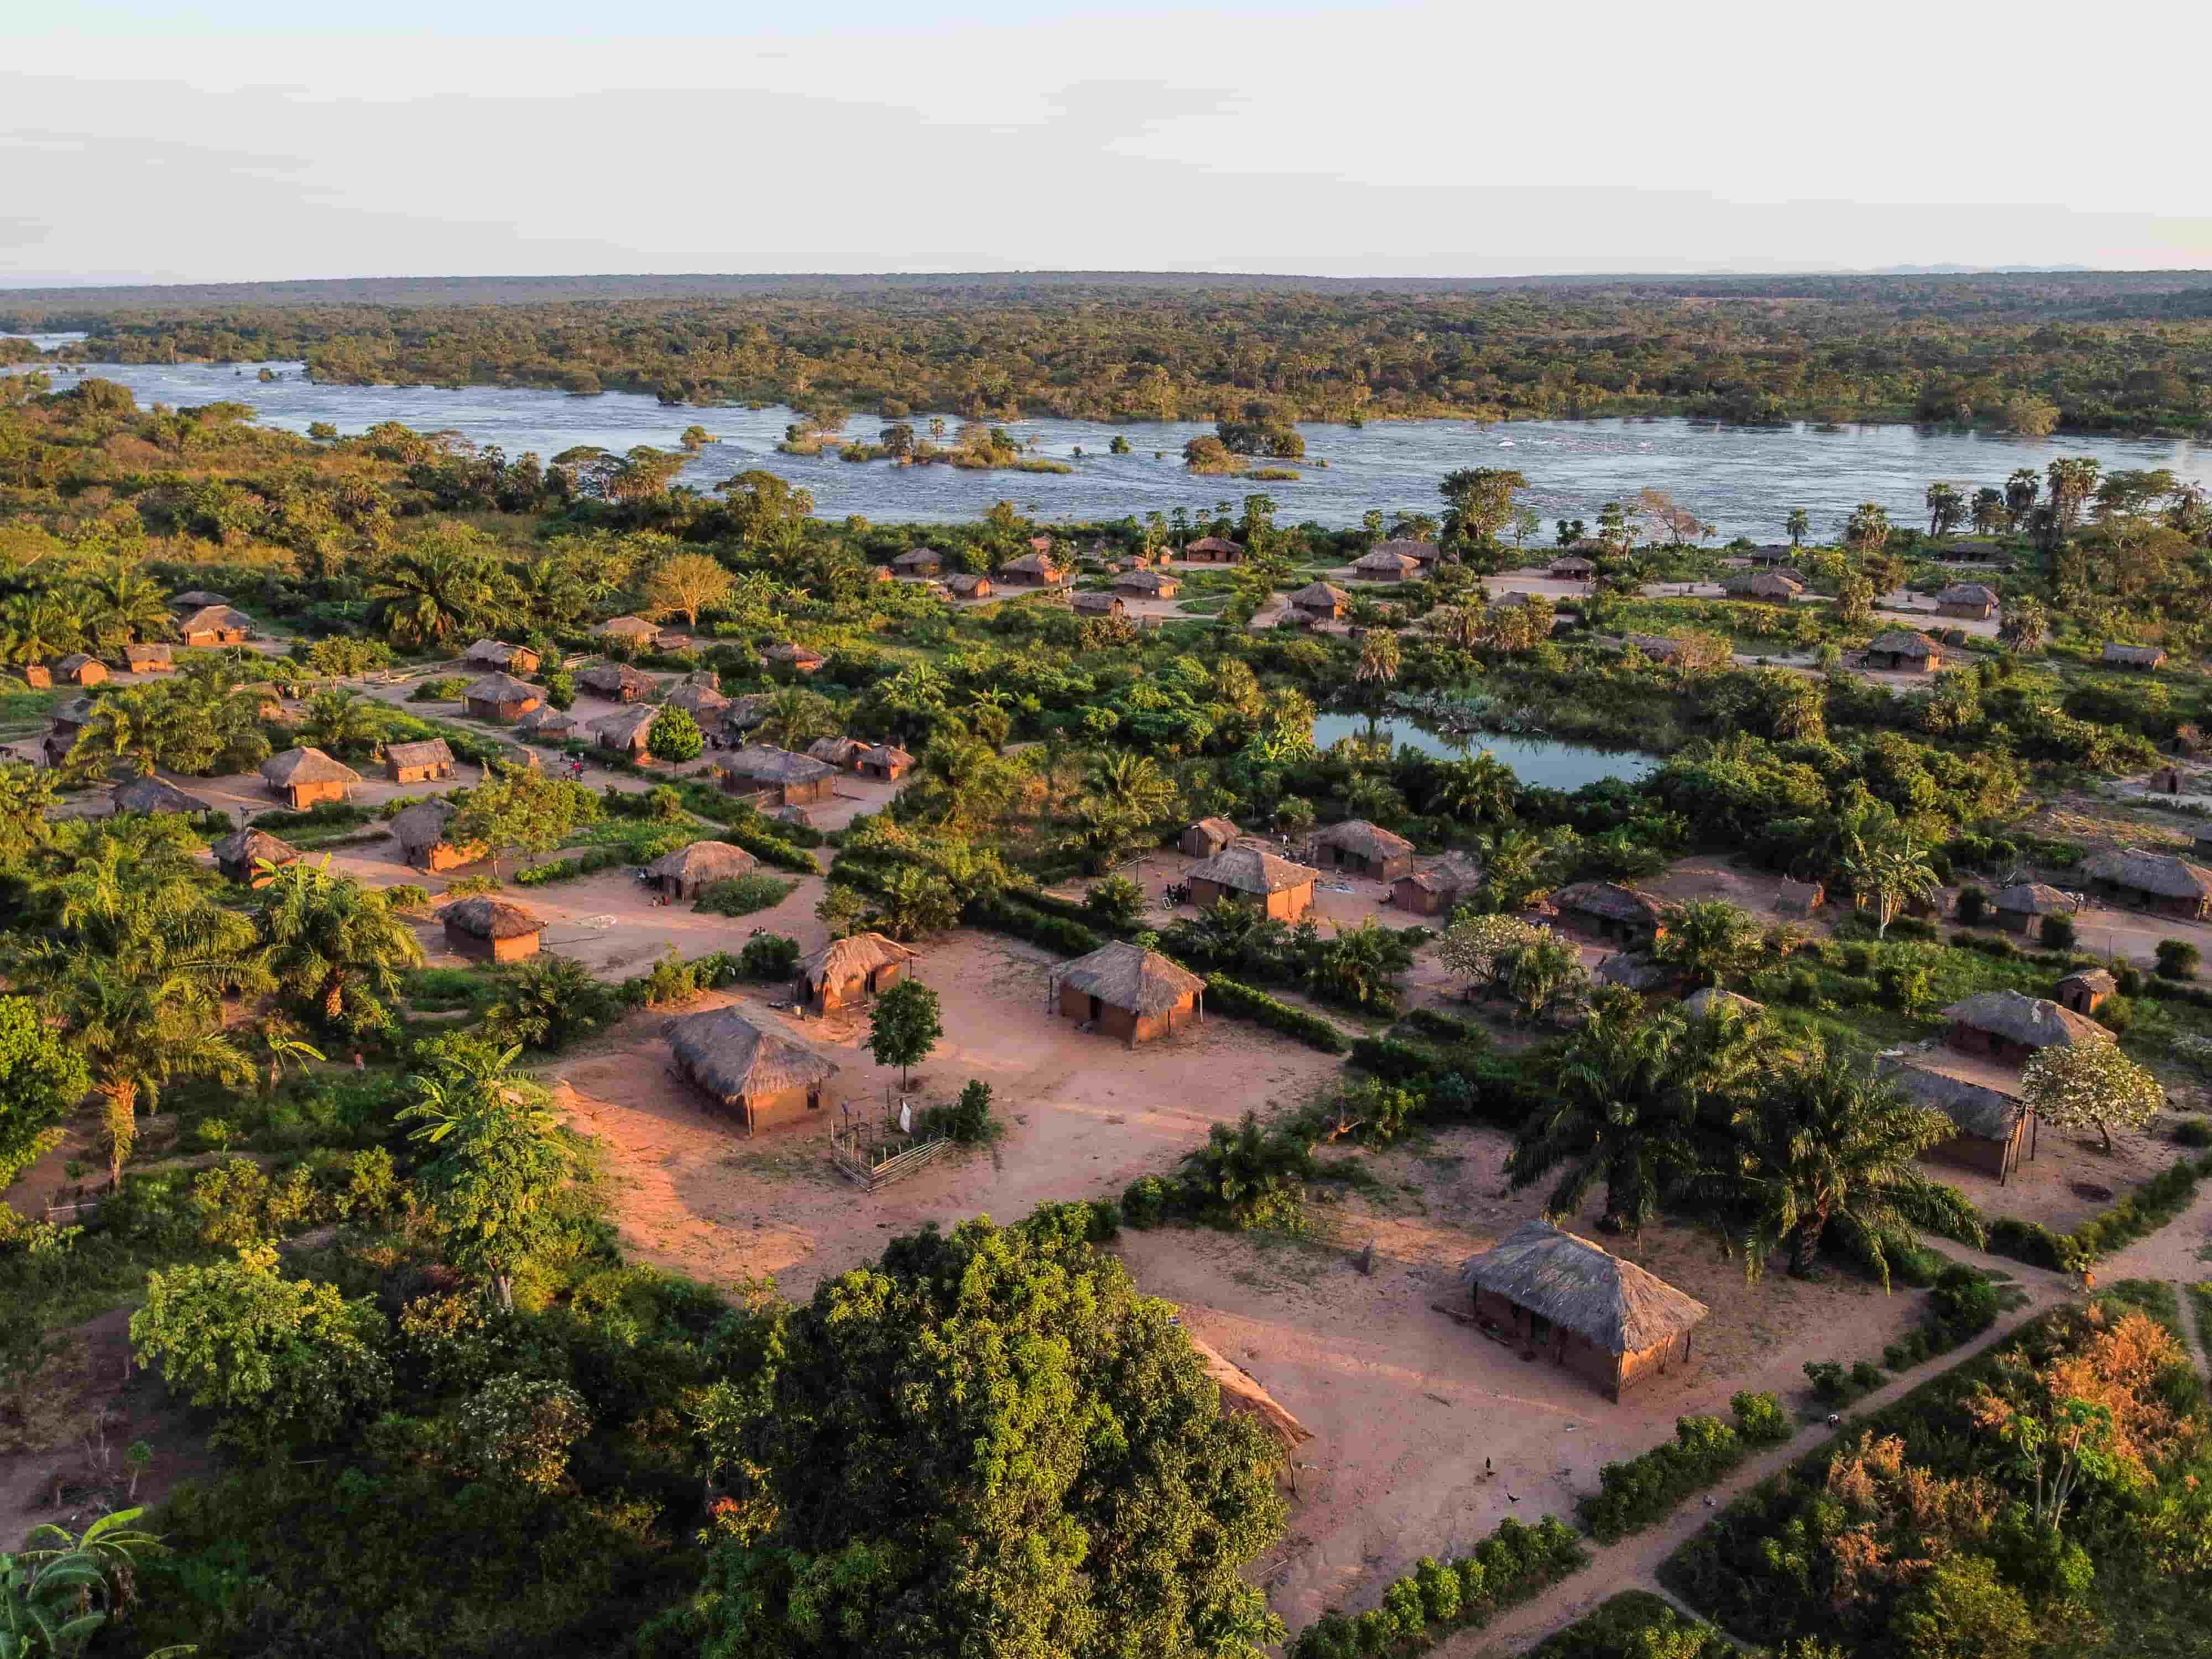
(1505, 1569)
(1002, 914)
(2144, 1211)
(772, 850)
(1225, 995)
(1646, 1489)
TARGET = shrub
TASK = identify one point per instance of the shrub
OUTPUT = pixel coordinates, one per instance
(1115, 903)
(2057, 932)
(1760, 1418)
(1226, 996)
(967, 1119)
(1973, 905)
(1004, 915)
(407, 896)
(741, 895)
(2032, 1242)
(561, 689)
(1632, 1496)
(2116, 1014)
(1148, 1201)
(675, 737)
(2177, 959)
(446, 688)
(2127, 979)
(551, 1001)
(769, 957)
(772, 850)
(2193, 1131)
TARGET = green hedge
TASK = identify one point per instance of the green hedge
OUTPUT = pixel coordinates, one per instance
(1514, 1563)
(772, 850)
(1225, 995)
(1002, 914)
(2143, 1211)
(1646, 1489)
(585, 863)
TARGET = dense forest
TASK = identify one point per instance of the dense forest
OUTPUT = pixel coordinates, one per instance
(2126, 352)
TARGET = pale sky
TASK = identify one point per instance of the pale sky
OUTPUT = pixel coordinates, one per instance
(152, 140)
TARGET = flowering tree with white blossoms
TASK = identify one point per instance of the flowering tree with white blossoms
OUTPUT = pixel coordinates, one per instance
(2085, 1085)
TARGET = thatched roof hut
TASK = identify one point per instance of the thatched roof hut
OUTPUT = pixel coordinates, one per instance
(1982, 1100)
(498, 930)
(1433, 886)
(304, 776)
(1770, 586)
(748, 1067)
(547, 721)
(1129, 991)
(1032, 570)
(498, 654)
(1319, 599)
(967, 585)
(2013, 1028)
(843, 753)
(747, 711)
(1147, 584)
(1203, 839)
(702, 703)
(1381, 566)
(151, 657)
(1599, 1316)
(616, 680)
(846, 970)
(1573, 568)
(885, 761)
(636, 629)
(151, 794)
(1412, 547)
(1616, 911)
(78, 669)
(2152, 881)
(2084, 988)
(499, 697)
(241, 854)
(2021, 906)
(196, 599)
(628, 729)
(919, 561)
(793, 780)
(1967, 599)
(1245, 870)
(1903, 648)
(420, 833)
(413, 762)
(690, 871)
(216, 624)
(1099, 604)
(1241, 1392)
(1367, 849)
(1212, 549)
(794, 655)
(2133, 656)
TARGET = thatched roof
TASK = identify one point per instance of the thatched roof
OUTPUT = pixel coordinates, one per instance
(155, 795)
(217, 619)
(76, 712)
(1244, 867)
(749, 710)
(1317, 594)
(502, 688)
(852, 957)
(1575, 564)
(630, 628)
(1212, 545)
(703, 861)
(2099, 981)
(967, 583)
(1966, 593)
(626, 728)
(702, 702)
(1616, 1305)
(1129, 977)
(1241, 1392)
(1610, 900)
(152, 651)
(765, 763)
(496, 653)
(431, 751)
(886, 754)
(1099, 604)
(1217, 830)
(1368, 840)
(2033, 1022)
(1764, 584)
(1035, 564)
(1635, 973)
(2032, 898)
(1149, 582)
(2135, 656)
(1979, 1098)
(547, 721)
(198, 598)
(2151, 873)
(917, 555)
(837, 751)
(1905, 642)
(490, 918)
(251, 847)
(730, 1054)
(424, 824)
(786, 651)
(75, 661)
(613, 678)
(1418, 551)
(1379, 560)
(305, 765)
(1657, 647)
(1447, 873)
(1712, 999)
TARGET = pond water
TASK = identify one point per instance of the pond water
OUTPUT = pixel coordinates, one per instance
(1742, 480)
(1544, 763)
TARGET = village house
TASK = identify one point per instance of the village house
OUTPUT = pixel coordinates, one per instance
(751, 1069)
(1212, 549)
(1362, 848)
(618, 682)
(1969, 600)
(547, 723)
(196, 599)
(1572, 568)
(1099, 604)
(1774, 553)
(2156, 882)
(1611, 911)
(2012, 1028)
(2084, 989)
(1320, 602)
(704, 703)
(1031, 570)
(77, 669)
(1799, 898)
(886, 762)
(633, 631)
(967, 585)
(843, 753)
(1248, 873)
(1660, 647)
(490, 929)
(1903, 650)
(1384, 567)
(1605, 1320)
(783, 778)
(216, 624)
(36, 675)
(2147, 658)
(849, 970)
(796, 658)
(419, 829)
(1425, 554)
(690, 871)
(919, 561)
(151, 658)
(1203, 839)
(500, 656)
(240, 856)
(1434, 885)
(1146, 584)
(1762, 586)
(151, 794)
(1980, 1097)
(626, 732)
(1130, 992)
(301, 777)
(2020, 908)
(417, 763)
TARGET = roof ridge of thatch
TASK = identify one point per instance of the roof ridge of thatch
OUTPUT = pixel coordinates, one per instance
(1249, 869)
(418, 748)
(500, 685)
(1903, 638)
(768, 763)
(251, 842)
(159, 789)
(855, 953)
(1620, 1307)
(306, 765)
(730, 1053)
(2153, 872)
(490, 918)
(684, 861)
(1129, 976)
(1609, 898)
(2018, 1017)
(1362, 835)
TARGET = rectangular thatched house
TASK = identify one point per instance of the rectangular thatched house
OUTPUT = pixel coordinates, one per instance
(1099, 604)
(843, 753)
(1426, 554)
(851, 970)
(690, 870)
(240, 856)
(2146, 657)
(749, 1068)
(1572, 568)
(2012, 1028)
(150, 658)
(626, 732)
(1206, 837)
(1130, 992)
(2156, 882)
(151, 794)
(301, 777)
(78, 669)
(886, 762)
(216, 624)
(1362, 848)
(1581, 1306)
(1611, 911)
(2021, 908)
(1762, 587)
(633, 631)
(417, 763)
(1434, 885)
(490, 930)
(421, 832)
(1320, 602)
(1212, 549)
(616, 681)
(780, 776)
(499, 697)
(498, 656)
(1032, 570)
(1384, 567)
(1971, 601)
(1248, 873)
(1903, 650)
(1981, 1099)
(919, 561)
(967, 585)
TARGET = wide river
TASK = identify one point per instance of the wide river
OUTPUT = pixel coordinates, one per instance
(1742, 480)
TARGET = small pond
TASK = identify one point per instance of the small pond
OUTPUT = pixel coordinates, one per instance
(1544, 763)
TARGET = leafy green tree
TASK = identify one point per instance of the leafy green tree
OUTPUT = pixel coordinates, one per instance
(2090, 1085)
(905, 1026)
(1827, 1144)
(549, 1003)
(523, 809)
(120, 603)
(335, 947)
(497, 1165)
(1709, 940)
(281, 1359)
(340, 723)
(794, 717)
(1544, 975)
(38, 628)
(1379, 658)
(1481, 950)
(1886, 863)
(2027, 623)
(990, 1513)
(1480, 500)
(41, 1079)
(674, 737)
(1963, 1610)
(686, 584)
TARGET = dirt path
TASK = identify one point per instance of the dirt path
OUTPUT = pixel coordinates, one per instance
(1633, 1563)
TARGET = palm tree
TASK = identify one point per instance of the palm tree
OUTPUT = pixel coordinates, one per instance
(795, 716)
(1945, 504)
(340, 722)
(1132, 787)
(429, 591)
(2026, 623)
(333, 944)
(1481, 787)
(1378, 658)
(36, 629)
(128, 733)
(1798, 527)
(1709, 940)
(55, 1592)
(121, 604)
(1831, 1144)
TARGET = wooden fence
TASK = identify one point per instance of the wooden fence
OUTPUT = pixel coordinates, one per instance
(879, 1162)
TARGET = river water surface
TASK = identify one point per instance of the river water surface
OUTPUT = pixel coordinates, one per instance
(1743, 480)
